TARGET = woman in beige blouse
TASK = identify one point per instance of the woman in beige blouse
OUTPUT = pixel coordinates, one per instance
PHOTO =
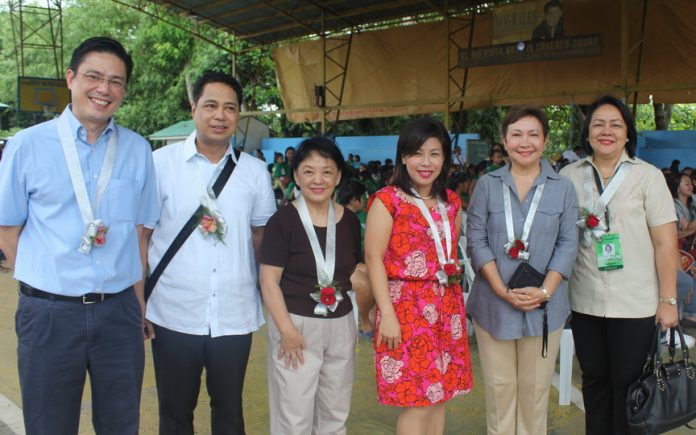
(618, 294)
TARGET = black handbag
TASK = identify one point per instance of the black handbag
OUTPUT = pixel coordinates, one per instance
(664, 397)
(527, 276)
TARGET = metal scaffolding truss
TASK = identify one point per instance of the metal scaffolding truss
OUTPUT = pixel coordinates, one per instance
(37, 27)
(332, 89)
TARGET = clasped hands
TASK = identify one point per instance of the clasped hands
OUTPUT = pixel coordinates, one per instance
(526, 298)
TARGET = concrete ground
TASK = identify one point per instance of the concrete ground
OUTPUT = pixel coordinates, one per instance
(465, 415)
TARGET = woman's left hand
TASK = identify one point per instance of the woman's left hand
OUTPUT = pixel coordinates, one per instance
(667, 316)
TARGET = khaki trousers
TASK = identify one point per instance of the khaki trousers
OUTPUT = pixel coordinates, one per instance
(517, 381)
(315, 398)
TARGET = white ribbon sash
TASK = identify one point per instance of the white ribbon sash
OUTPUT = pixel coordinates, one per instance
(325, 264)
(609, 191)
(509, 225)
(205, 192)
(442, 256)
(598, 207)
(77, 179)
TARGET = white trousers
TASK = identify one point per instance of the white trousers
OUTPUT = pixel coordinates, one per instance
(315, 398)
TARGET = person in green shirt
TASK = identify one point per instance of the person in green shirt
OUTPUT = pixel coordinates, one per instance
(496, 160)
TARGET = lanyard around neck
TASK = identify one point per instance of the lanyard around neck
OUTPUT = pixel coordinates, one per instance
(509, 225)
(87, 208)
(325, 264)
(605, 195)
(442, 257)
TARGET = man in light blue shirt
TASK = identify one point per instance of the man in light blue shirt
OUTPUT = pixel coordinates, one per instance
(74, 193)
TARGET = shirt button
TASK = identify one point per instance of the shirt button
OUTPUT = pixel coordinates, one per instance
(213, 294)
(98, 262)
(94, 176)
(214, 270)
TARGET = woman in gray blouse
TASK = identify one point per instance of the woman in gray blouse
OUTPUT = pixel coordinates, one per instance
(522, 212)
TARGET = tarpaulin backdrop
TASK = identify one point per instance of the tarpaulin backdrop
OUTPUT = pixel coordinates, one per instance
(403, 70)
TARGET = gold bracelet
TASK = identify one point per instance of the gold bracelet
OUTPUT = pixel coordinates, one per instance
(547, 295)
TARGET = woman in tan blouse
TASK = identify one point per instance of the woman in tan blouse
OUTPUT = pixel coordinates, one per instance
(624, 279)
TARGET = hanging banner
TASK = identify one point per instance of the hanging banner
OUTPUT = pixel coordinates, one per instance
(541, 19)
(528, 51)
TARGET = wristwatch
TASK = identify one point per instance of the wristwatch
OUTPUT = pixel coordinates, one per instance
(670, 301)
(547, 295)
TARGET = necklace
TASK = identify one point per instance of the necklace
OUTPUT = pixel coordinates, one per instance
(422, 197)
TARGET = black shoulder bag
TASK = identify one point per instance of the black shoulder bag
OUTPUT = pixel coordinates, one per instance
(664, 397)
(186, 230)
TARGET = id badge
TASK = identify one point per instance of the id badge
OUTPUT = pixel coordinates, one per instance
(608, 251)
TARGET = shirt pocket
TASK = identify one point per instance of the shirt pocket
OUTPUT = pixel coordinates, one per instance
(121, 200)
(548, 218)
(496, 217)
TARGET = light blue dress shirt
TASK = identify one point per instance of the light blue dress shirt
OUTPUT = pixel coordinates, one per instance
(36, 191)
(553, 245)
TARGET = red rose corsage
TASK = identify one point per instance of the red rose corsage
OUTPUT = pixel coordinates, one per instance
(517, 250)
(454, 273)
(591, 226)
(327, 298)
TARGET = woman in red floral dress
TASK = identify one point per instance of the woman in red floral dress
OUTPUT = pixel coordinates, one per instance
(421, 346)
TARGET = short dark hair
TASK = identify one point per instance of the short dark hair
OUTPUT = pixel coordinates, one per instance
(350, 190)
(413, 136)
(101, 44)
(632, 135)
(457, 180)
(516, 113)
(322, 145)
(216, 77)
(552, 4)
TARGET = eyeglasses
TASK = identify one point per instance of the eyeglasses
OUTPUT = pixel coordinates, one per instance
(96, 79)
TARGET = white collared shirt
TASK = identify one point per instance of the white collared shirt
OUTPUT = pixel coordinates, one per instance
(209, 286)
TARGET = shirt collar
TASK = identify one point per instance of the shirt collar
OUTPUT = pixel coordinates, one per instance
(624, 158)
(506, 177)
(79, 132)
(190, 151)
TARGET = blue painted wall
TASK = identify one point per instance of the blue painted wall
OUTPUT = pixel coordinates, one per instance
(661, 147)
(367, 147)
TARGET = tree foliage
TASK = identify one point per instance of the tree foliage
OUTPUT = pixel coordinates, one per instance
(168, 59)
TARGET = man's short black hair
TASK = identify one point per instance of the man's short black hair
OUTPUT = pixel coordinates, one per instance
(552, 4)
(216, 77)
(101, 44)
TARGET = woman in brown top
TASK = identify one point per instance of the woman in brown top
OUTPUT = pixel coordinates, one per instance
(309, 251)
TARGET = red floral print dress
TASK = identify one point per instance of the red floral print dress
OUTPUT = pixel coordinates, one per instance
(432, 364)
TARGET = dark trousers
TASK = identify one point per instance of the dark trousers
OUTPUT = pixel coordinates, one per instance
(179, 360)
(611, 353)
(59, 342)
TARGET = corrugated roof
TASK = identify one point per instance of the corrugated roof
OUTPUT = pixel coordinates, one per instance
(176, 131)
(268, 21)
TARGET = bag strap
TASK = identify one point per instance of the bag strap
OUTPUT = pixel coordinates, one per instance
(545, 332)
(187, 229)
